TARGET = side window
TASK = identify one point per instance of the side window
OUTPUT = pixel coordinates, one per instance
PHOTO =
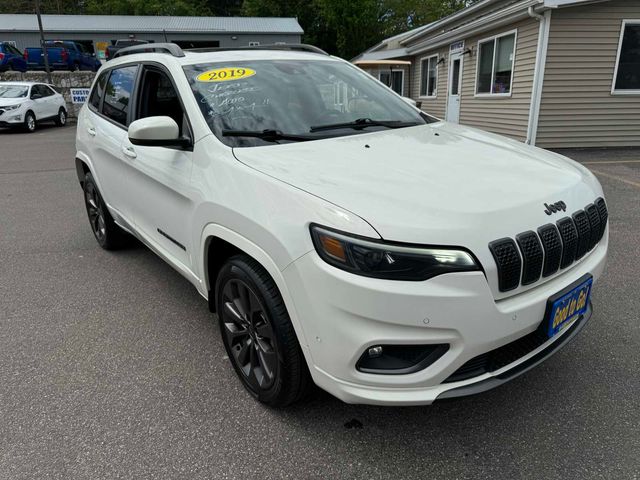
(158, 97)
(117, 94)
(36, 91)
(98, 91)
(46, 91)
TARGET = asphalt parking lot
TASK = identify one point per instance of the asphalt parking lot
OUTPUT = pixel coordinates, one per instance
(111, 366)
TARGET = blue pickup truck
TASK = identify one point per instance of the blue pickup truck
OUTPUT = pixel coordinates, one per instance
(11, 58)
(63, 55)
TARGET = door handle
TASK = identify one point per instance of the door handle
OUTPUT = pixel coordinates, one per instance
(91, 131)
(129, 152)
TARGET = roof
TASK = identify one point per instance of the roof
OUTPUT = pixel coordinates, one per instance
(130, 24)
(378, 63)
(380, 55)
(23, 84)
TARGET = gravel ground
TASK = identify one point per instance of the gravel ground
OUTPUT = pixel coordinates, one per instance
(112, 366)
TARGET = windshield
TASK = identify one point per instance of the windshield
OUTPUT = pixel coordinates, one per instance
(13, 91)
(293, 98)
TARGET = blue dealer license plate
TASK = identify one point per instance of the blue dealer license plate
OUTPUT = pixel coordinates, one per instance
(568, 305)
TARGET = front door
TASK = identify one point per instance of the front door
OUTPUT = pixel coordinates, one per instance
(161, 176)
(455, 87)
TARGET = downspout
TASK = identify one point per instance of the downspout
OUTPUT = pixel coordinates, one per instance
(539, 70)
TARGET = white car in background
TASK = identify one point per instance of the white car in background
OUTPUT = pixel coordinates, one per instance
(342, 236)
(25, 104)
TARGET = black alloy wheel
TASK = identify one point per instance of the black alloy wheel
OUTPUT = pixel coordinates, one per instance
(258, 334)
(95, 212)
(249, 335)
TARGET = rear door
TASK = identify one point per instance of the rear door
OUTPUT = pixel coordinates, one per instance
(39, 99)
(50, 104)
(104, 133)
(160, 176)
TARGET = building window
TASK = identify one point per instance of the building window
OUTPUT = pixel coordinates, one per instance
(495, 65)
(627, 76)
(393, 79)
(254, 44)
(429, 76)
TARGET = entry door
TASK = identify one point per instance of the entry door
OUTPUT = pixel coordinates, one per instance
(455, 87)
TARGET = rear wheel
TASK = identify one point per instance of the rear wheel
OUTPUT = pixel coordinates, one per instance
(109, 235)
(30, 122)
(258, 335)
(61, 119)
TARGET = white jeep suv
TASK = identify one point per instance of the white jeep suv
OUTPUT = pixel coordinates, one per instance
(341, 235)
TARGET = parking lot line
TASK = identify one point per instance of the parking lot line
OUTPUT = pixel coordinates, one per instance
(614, 177)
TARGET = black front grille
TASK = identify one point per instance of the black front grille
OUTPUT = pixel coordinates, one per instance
(569, 236)
(584, 233)
(544, 252)
(532, 257)
(594, 223)
(505, 253)
(604, 215)
(552, 244)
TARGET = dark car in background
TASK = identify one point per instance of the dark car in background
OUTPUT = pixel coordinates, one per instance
(63, 55)
(127, 42)
(11, 58)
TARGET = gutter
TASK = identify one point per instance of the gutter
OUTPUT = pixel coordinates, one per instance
(539, 72)
(496, 19)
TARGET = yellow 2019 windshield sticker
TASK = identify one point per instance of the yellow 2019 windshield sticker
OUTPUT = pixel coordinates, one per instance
(225, 74)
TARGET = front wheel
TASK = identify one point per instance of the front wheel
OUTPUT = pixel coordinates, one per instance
(29, 122)
(61, 119)
(258, 335)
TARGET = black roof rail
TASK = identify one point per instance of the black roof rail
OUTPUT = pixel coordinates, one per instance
(170, 48)
(303, 47)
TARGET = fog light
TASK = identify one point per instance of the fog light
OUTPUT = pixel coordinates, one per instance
(375, 351)
(399, 359)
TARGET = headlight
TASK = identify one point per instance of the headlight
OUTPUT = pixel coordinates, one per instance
(12, 107)
(372, 258)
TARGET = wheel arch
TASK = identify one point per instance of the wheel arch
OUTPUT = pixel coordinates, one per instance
(82, 168)
(220, 243)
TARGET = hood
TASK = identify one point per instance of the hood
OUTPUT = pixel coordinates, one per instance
(438, 184)
(6, 102)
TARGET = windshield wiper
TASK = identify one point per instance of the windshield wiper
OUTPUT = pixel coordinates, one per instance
(361, 123)
(269, 135)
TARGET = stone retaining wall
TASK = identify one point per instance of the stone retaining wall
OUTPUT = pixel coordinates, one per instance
(63, 81)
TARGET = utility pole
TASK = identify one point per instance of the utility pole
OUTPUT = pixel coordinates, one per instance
(43, 43)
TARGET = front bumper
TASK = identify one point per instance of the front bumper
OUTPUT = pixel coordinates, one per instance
(11, 118)
(342, 315)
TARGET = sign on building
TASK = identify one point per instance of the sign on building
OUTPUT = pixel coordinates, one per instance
(79, 95)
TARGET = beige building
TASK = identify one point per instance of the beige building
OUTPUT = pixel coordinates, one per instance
(554, 73)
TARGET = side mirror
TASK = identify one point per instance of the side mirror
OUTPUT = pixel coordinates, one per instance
(410, 101)
(157, 132)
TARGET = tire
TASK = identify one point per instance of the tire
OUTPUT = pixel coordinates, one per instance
(75, 67)
(29, 125)
(258, 335)
(109, 235)
(61, 119)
